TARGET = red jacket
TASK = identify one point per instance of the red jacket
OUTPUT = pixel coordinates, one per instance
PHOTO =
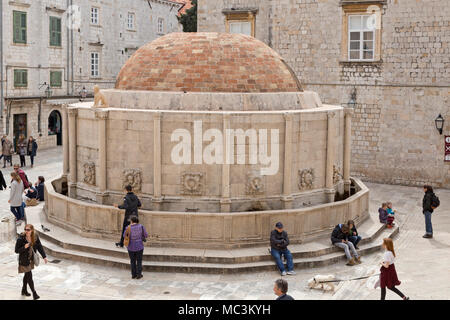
(23, 176)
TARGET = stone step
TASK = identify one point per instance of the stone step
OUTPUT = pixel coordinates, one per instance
(72, 241)
(202, 267)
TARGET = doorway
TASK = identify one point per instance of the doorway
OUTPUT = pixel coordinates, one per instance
(19, 127)
(55, 126)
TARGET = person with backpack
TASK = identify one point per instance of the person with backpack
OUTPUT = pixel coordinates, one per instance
(134, 237)
(22, 175)
(429, 203)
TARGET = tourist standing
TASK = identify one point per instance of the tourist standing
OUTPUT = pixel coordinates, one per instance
(15, 196)
(280, 289)
(135, 235)
(131, 203)
(22, 175)
(22, 149)
(278, 242)
(429, 203)
(339, 238)
(27, 245)
(32, 149)
(7, 150)
(353, 236)
(388, 275)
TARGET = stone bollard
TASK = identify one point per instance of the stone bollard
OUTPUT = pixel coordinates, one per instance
(7, 229)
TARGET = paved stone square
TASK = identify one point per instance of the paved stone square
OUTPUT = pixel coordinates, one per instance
(423, 265)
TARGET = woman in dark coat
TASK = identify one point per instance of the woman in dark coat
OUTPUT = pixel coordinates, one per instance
(27, 245)
(32, 149)
(2, 181)
(40, 188)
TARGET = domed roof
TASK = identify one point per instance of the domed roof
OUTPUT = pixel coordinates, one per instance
(207, 62)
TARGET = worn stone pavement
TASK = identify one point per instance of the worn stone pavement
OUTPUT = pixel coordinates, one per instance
(423, 265)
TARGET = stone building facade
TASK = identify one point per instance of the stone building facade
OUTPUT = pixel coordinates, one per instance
(65, 46)
(400, 82)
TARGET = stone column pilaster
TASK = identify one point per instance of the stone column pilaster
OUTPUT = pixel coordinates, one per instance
(347, 148)
(287, 173)
(72, 114)
(65, 132)
(101, 117)
(225, 202)
(157, 160)
(329, 188)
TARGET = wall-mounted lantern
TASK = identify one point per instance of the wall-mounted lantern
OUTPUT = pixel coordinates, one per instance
(439, 122)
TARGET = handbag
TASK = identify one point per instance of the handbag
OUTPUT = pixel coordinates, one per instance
(126, 240)
(36, 258)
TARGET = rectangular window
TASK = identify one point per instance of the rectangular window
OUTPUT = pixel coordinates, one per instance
(94, 15)
(55, 31)
(20, 78)
(19, 27)
(160, 25)
(244, 27)
(130, 21)
(361, 38)
(56, 79)
(94, 64)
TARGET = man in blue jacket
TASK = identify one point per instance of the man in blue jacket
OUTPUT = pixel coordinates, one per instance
(131, 204)
(278, 242)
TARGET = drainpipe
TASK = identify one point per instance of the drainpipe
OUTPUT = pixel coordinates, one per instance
(68, 43)
(1, 63)
(71, 52)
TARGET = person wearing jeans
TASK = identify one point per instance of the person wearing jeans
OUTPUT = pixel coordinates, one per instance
(278, 242)
(136, 234)
(428, 210)
(15, 196)
(353, 236)
(339, 238)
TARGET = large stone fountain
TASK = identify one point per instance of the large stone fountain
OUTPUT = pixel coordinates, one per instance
(218, 139)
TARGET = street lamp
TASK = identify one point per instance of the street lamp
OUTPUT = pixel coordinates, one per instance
(352, 102)
(83, 94)
(439, 122)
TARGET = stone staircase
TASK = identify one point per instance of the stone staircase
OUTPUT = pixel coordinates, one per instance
(63, 244)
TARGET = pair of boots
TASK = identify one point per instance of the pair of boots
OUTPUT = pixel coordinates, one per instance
(25, 293)
(354, 261)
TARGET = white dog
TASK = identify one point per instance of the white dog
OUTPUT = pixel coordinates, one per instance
(319, 282)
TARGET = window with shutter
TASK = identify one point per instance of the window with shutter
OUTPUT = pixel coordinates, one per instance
(56, 79)
(19, 27)
(20, 78)
(55, 31)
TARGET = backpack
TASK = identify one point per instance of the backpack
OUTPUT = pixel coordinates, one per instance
(435, 201)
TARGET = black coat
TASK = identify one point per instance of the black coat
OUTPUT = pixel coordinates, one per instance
(40, 191)
(426, 202)
(285, 297)
(33, 148)
(2, 181)
(131, 204)
(350, 233)
(278, 240)
(24, 253)
(337, 235)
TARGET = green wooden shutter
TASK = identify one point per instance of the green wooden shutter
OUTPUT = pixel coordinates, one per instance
(55, 31)
(20, 78)
(56, 79)
(19, 27)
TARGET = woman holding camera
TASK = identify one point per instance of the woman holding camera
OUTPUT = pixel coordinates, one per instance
(134, 237)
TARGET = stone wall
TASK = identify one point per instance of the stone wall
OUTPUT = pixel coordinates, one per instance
(398, 98)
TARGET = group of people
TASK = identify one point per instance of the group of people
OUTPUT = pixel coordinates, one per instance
(386, 214)
(344, 236)
(22, 192)
(25, 147)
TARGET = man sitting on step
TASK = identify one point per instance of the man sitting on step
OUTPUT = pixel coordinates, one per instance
(278, 242)
(339, 238)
